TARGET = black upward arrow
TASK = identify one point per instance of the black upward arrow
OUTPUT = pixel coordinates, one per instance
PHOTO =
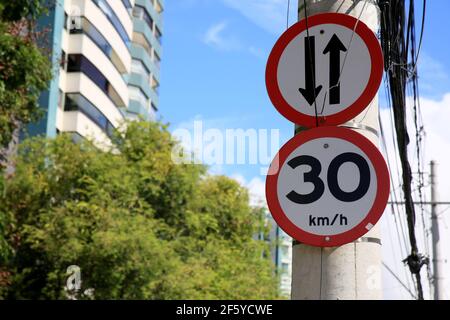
(310, 92)
(335, 47)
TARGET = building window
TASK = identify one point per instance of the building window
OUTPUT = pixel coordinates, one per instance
(137, 11)
(63, 60)
(112, 17)
(155, 85)
(142, 14)
(158, 35)
(138, 67)
(60, 99)
(141, 40)
(79, 63)
(284, 252)
(152, 111)
(77, 102)
(157, 60)
(138, 95)
(158, 7)
(66, 20)
(87, 28)
(127, 4)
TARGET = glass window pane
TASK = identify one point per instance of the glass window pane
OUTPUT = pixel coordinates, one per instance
(140, 13)
(137, 11)
(157, 60)
(74, 63)
(158, 6)
(79, 63)
(138, 95)
(108, 12)
(127, 4)
(138, 67)
(102, 43)
(158, 34)
(77, 102)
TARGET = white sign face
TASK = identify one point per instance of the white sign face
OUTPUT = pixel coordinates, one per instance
(335, 91)
(330, 68)
(303, 186)
(327, 186)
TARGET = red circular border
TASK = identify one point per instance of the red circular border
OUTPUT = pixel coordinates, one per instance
(359, 105)
(380, 202)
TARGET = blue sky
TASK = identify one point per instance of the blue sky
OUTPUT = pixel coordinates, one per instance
(214, 59)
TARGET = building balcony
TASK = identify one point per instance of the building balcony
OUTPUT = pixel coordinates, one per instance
(80, 83)
(80, 123)
(120, 42)
(82, 44)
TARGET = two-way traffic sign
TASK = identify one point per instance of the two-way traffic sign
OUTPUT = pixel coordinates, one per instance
(326, 69)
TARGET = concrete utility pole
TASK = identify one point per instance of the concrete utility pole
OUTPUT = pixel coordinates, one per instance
(352, 271)
(438, 263)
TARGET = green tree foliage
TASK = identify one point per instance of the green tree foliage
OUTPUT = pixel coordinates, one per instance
(25, 70)
(24, 73)
(16, 10)
(138, 225)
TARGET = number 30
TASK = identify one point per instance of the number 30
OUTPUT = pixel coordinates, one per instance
(332, 178)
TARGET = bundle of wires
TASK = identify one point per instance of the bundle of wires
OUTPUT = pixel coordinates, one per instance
(398, 40)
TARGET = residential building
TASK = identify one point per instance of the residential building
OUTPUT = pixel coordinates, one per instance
(282, 256)
(106, 57)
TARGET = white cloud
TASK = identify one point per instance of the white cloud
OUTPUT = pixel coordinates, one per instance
(435, 115)
(257, 52)
(216, 38)
(239, 178)
(256, 188)
(268, 14)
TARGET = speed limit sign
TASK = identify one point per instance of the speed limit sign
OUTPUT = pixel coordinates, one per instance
(327, 186)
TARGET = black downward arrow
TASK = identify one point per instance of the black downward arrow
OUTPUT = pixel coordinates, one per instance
(334, 47)
(310, 92)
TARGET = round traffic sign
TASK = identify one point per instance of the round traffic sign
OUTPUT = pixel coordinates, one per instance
(327, 186)
(325, 69)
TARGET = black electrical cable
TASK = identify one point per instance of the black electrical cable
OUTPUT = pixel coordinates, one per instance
(393, 194)
(422, 29)
(397, 35)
